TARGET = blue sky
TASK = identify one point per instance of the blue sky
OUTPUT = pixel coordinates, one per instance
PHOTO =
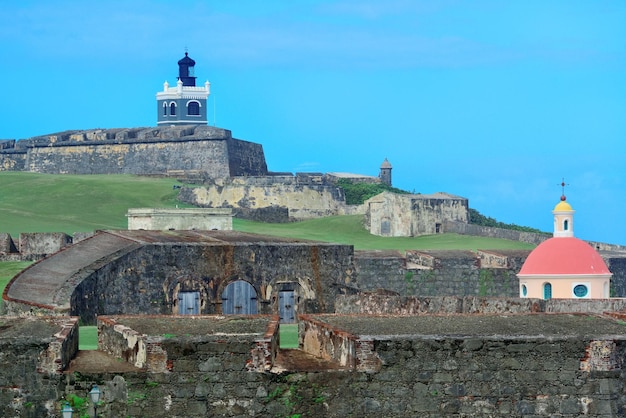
(492, 100)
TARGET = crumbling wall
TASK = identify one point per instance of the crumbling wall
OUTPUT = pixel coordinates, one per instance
(302, 201)
(43, 243)
(33, 353)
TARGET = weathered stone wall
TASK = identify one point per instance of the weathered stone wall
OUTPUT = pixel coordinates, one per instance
(43, 243)
(33, 352)
(206, 149)
(408, 215)
(7, 245)
(180, 219)
(147, 280)
(246, 158)
(13, 160)
(132, 158)
(151, 353)
(303, 201)
(457, 273)
(529, 237)
(402, 375)
(617, 265)
(326, 342)
(378, 303)
(451, 273)
(405, 376)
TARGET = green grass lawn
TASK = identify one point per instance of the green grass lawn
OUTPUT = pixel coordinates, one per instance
(350, 230)
(88, 338)
(32, 202)
(288, 335)
(8, 269)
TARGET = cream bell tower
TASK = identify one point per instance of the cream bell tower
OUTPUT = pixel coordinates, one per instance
(563, 219)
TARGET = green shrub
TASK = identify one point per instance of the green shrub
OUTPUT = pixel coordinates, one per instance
(357, 193)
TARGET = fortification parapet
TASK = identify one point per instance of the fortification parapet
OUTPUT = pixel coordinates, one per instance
(142, 151)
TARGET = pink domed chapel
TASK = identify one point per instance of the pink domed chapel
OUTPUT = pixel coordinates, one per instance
(564, 267)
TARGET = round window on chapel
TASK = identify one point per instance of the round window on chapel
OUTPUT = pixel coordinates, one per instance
(524, 290)
(580, 291)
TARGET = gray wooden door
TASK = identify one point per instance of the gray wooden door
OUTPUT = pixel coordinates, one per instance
(239, 298)
(286, 306)
(189, 303)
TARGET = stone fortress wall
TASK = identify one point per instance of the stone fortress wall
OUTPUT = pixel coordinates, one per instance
(411, 273)
(276, 198)
(144, 151)
(403, 366)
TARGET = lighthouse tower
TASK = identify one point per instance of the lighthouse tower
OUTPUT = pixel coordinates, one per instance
(184, 104)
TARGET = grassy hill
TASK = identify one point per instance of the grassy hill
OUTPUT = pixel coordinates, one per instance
(31, 202)
(349, 230)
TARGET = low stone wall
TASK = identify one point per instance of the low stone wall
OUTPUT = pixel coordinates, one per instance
(160, 354)
(33, 353)
(180, 219)
(7, 245)
(384, 304)
(487, 231)
(43, 243)
(529, 237)
(327, 342)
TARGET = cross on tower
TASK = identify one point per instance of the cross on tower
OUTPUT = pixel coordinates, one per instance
(563, 184)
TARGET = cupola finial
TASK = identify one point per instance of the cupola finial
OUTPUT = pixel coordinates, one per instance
(563, 184)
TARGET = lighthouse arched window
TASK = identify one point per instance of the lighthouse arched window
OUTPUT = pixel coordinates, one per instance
(164, 109)
(193, 108)
(173, 109)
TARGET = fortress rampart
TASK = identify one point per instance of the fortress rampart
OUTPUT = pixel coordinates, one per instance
(143, 151)
(300, 196)
(559, 365)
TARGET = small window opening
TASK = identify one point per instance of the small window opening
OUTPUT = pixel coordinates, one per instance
(193, 109)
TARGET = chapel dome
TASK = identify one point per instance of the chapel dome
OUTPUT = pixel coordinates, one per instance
(563, 206)
(564, 256)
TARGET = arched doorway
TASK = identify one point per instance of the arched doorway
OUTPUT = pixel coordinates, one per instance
(547, 291)
(239, 298)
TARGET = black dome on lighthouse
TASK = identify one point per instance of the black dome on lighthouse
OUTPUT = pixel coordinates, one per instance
(186, 71)
(186, 61)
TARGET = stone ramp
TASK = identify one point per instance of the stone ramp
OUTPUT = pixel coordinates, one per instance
(295, 360)
(39, 283)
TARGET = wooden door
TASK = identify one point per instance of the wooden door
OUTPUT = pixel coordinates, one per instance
(189, 303)
(239, 298)
(286, 306)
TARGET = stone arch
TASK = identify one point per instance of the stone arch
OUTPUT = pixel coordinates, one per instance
(187, 283)
(304, 292)
(239, 297)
